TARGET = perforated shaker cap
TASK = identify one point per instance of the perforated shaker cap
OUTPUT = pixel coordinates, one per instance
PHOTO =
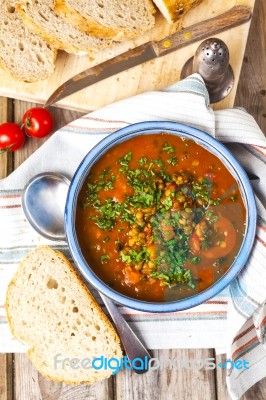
(211, 59)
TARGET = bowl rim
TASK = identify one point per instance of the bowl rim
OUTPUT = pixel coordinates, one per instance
(212, 145)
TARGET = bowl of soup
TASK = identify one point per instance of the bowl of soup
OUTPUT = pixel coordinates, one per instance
(160, 217)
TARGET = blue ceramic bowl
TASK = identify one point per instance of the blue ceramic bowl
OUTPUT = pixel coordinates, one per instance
(207, 142)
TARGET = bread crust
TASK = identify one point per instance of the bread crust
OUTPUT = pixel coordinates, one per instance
(83, 288)
(176, 9)
(93, 28)
(44, 35)
(54, 41)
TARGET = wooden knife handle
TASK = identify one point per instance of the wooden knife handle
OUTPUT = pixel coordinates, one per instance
(202, 30)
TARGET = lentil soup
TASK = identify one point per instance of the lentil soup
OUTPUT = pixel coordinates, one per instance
(160, 218)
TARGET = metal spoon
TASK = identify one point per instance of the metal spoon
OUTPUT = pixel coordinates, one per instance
(43, 202)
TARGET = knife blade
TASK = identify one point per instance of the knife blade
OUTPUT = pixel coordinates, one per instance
(150, 50)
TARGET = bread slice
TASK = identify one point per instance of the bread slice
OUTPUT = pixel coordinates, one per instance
(41, 18)
(24, 55)
(50, 309)
(174, 9)
(116, 19)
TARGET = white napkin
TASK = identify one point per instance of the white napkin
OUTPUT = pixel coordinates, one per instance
(236, 318)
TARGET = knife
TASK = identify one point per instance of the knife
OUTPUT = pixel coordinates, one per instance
(150, 50)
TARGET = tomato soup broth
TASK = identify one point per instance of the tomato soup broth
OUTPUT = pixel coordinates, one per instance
(160, 218)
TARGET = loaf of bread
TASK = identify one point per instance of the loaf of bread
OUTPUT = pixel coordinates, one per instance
(116, 19)
(51, 310)
(24, 55)
(174, 9)
(39, 15)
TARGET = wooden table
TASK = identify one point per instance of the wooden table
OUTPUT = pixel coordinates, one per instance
(19, 380)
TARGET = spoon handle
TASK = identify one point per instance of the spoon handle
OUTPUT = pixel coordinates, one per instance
(132, 345)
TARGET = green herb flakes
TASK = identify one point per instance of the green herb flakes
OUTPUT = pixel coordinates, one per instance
(104, 258)
(173, 160)
(169, 149)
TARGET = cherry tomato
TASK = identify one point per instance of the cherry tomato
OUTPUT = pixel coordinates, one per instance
(38, 122)
(12, 137)
(224, 227)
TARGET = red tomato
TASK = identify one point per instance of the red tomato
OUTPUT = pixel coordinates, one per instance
(194, 243)
(12, 137)
(131, 277)
(225, 227)
(38, 122)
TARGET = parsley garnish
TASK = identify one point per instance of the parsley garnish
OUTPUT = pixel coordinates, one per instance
(143, 161)
(134, 256)
(124, 161)
(104, 173)
(104, 258)
(195, 260)
(173, 160)
(169, 149)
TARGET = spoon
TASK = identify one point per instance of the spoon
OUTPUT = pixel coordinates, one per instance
(43, 203)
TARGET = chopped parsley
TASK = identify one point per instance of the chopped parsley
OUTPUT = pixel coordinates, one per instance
(104, 258)
(124, 161)
(195, 260)
(134, 256)
(143, 161)
(169, 149)
(173, 160)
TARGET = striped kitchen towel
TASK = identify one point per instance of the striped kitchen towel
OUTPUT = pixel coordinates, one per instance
(235, 319)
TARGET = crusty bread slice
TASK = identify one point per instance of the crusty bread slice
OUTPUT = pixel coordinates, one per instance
(116, 19)
(50, 309)
(41, 18)
(24, 55)
(174, 9)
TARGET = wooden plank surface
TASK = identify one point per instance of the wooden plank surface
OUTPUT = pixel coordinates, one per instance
(61, 118)
(251, 92)
(28, 384)
(6, 377)
(5, 115)
(169, 382)
(152, 75)
(31, 385)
